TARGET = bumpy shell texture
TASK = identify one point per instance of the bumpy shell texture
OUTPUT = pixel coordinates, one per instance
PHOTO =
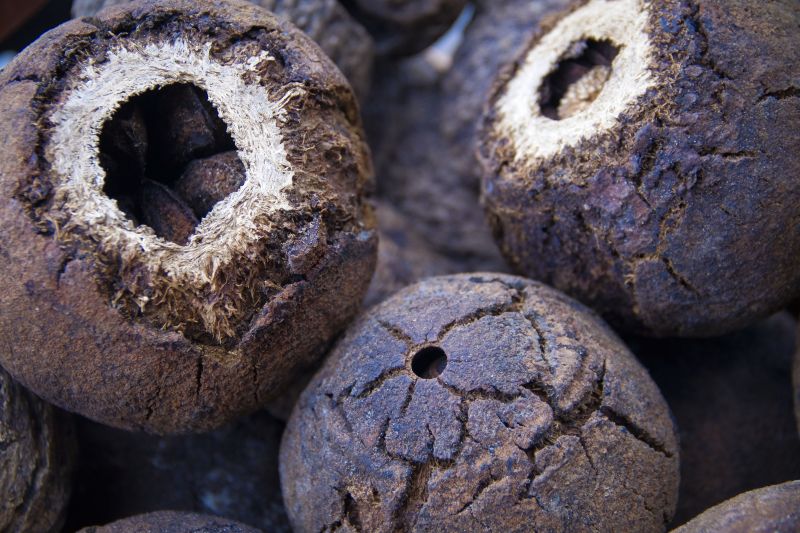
(111, 321)
(635, 160)
(172, 522)
(36, 457)
(774, 509)
(475, 402)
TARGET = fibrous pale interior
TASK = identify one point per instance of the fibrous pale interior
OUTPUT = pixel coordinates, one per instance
(253, 120)
(594, 101)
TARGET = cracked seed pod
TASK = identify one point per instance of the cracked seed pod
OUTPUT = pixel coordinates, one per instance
(774, 509)
(116, 322)
(343, 39)
(36, 457)
(404, 27)
(172, 522)
(634, 160)
(731, 397)
(232, 472)
(480, 401)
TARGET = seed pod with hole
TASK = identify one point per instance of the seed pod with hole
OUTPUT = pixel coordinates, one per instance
(36, 457)
(232, 472)
(731, 397)
(111, 319)
(405, 27)
(480, 402)
(773, 509)
(172, 522)
(343, 39)
(635, 160)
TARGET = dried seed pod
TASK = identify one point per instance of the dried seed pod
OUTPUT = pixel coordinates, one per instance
(731, 397)
(663, 203)
(36, 457)
(208, 181)
(404, 27)
(422, 124)
(166, 213)
(774, 509)
(172, 522)
(475, 402)
(343, 39)
(232, 472)
(138, 332)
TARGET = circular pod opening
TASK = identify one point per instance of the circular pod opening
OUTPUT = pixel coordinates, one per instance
(577, 79)
(429, 362)
(145, 148)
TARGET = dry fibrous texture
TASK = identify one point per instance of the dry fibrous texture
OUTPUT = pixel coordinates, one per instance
(633, 159)
(774, 509)
(36, 457)
(101, 315)
(231, 472)
(732, 401)
(480, 402)
(172, 522)
(404, 27)
(422, 118)
(343, 39)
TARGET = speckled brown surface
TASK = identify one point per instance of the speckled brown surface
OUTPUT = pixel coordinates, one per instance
(343, 39)
(679, 219)
(773, 509)
(480, 401)
(36, 457)
(73, 307)
(230, 472)
(422, 118)
(172, 522)
(732, 401)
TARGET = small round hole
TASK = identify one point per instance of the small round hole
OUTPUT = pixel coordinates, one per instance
(429, 362)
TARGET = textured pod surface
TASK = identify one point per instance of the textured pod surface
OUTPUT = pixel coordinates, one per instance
(128, 328)
(773, 509)
(231, 472)
(732, 401)
(422, 117)
(172, 522)
(343, 39)
(36, 457)
(633, 160)
(480, 401)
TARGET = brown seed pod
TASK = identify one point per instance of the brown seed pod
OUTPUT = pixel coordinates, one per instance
(404, 27)
(232, 472)
(731, 397)
(127, 328)
(421, 118)
(774, 509)
(634, 160)
(207, 181)
(172, 522)
(475, 402)
(36, 457)
(343, 39)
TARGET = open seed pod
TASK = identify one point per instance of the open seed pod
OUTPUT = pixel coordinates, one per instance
(343, 39)
(774, 509)
(480, 402)
(135, 323)
(635, 160)
(172, 522)
(36, 456)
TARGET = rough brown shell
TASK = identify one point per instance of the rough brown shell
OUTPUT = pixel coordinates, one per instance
(36, 457)
(668, 203)
(773, 509)
(172, 522)
(106, 319)
(475, 402)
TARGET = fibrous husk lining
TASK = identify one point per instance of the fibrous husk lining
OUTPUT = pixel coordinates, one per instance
(225, 238)
(623, 23)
